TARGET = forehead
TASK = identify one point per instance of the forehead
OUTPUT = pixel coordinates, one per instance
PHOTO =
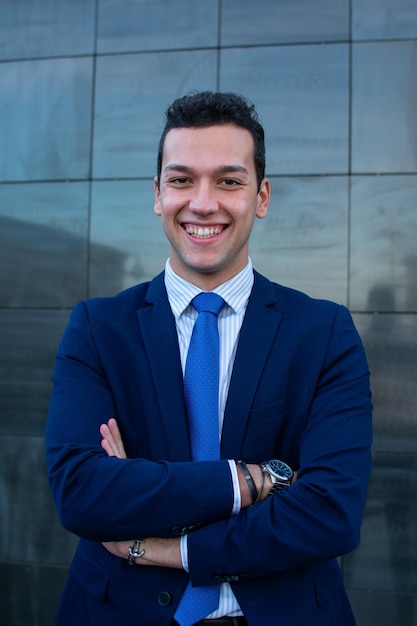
(220, 142)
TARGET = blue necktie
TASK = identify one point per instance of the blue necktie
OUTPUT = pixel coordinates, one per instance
(201, 389)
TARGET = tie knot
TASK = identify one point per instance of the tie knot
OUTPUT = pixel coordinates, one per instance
(208, 301)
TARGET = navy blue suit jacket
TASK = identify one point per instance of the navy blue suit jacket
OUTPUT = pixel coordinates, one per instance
(299, 392)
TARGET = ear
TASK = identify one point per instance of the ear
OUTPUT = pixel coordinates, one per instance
(264, 198)
(157, 205)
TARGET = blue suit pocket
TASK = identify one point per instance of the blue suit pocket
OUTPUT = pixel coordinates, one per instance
(90, 575)
(263, 431)
(271, 412)
(327, 580)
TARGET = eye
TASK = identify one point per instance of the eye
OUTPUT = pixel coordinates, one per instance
(230, 182)
(179, 181)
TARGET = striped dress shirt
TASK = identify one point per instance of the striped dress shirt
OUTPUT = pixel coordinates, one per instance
(235, 293)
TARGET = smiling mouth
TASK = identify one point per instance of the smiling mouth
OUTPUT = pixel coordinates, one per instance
(203, 232)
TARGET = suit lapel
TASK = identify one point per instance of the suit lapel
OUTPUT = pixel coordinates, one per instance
(160, 337)
(256, 336)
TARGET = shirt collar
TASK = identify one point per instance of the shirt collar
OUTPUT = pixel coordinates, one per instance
(235, 291)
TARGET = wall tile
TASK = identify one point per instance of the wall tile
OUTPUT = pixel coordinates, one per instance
(391, 346)
(42, 28)
(45, 121)
(387, 557)
(29, 594)
(301, 94)
(27, 507)
(384, 19)
(302, 242)
(245, 22)
(28, 343)
(128, 243)
(133, 92)
(383, 256)
(383, 608)
(43, 244)
(139, 25)
(384, 107)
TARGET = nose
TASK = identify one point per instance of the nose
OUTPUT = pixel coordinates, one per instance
(203, 200)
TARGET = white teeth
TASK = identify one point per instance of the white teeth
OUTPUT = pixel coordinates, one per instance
(203, 232)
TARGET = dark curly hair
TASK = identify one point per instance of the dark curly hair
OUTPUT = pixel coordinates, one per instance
(207, 108)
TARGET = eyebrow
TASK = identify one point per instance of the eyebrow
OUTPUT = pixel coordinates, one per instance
(221, 169)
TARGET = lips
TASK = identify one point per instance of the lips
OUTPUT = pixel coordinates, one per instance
(203, 232)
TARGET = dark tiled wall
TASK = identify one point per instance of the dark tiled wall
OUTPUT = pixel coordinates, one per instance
(83, 88)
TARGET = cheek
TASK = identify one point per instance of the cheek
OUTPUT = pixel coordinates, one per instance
(165, 213)
(169, 226)
(165, 209)
(246, 221)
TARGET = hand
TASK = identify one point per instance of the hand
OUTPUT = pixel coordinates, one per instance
(112, 440)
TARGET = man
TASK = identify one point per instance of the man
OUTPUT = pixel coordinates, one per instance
(293, 396)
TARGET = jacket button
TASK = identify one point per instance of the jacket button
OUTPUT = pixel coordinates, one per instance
(164, 598)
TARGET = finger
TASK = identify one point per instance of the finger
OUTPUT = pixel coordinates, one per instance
(117, 438)
(107, 448)
(108, 443)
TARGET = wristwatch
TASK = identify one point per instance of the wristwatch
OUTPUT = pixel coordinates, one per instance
(280, 473)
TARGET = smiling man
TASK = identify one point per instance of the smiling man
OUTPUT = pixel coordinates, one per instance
(208, 196)
(209, 431)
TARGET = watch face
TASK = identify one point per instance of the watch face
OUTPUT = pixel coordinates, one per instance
(280, 469)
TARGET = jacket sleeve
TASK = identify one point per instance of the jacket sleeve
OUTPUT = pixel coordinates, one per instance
(105, 498)
(319, 516)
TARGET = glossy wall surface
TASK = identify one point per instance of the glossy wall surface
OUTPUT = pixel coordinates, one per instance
(83, 88)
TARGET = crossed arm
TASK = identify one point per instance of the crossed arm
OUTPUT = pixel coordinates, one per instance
(166, 552)
(163, 552)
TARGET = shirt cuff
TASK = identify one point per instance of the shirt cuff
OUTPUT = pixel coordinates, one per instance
(236, 489)
(184, 552)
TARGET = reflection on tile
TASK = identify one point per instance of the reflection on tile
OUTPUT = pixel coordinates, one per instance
(28, 343)
(45, 121)
(27, 507)
(387, 556)
(130, 26)
(384, 19)
(128, 243)
(133, 92)
(29, 594)
(268, 21)
(383, 272)
(391, 346)
(43, 244)
(383, 608)
(301, 94)
(302, 242)
(384, 107)
(41, 28)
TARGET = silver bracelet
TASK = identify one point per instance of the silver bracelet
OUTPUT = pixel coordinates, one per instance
(134, 552)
